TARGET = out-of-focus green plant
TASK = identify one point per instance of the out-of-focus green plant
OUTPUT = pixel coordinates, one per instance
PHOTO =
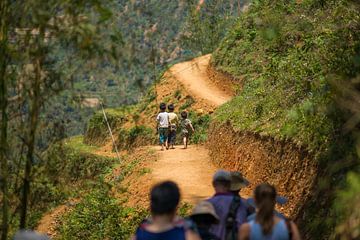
(208, 22)
(100, 216)
(347, 208)
(347, 203)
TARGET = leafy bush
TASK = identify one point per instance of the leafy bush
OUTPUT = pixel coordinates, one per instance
(135, 137)
(100, 216)
(76, 160)
(201, 125)
(286, 66)
(347, 208)
(97, 131)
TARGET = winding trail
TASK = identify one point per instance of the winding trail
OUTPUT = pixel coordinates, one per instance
(192, 74)
(190, 168)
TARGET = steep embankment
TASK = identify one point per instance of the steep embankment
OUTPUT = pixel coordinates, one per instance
(263, 159)
(284, 126)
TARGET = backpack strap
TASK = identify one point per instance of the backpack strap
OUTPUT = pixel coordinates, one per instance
(231, 227)
(235, 204)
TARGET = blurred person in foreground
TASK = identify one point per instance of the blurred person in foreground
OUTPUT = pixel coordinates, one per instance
(230, 209)
(238, 182)
(30, 235)
(267, 225)
(204, 216)
(164, 224)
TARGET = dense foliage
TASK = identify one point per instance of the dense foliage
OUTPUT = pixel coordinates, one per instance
(347, 208)
(208, 22)
(287, 67)
(293, 58)
(100, 216)
(65, 170)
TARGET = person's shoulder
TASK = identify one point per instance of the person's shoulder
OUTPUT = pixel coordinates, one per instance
(244, 231)
(221, 198)
(188, 224)
(251, 217)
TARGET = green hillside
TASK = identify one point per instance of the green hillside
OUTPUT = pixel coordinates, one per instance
(154, 35)
(292, 56)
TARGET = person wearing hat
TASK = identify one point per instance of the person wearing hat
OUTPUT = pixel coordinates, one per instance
(238, 182)
(204, 216)
(173, 122)
(223, 200)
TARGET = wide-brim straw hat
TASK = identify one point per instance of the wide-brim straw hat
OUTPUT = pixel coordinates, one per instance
(222, 175)
(238, 181)
(205, 208)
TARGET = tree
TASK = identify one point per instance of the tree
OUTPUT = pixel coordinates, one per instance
(4, 118)
(207, 23)
(30, 73)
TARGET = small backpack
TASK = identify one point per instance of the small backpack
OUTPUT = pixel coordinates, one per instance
(230, 224)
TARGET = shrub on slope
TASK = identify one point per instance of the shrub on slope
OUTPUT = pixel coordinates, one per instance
(286, 53)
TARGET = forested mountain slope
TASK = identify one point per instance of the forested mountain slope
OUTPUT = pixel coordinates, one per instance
(294, 60)
(155, 34)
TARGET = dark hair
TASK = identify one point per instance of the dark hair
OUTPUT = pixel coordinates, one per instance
(162, 106)
(171, 107)
(184, 114)
(265, 198)
(164, 197)
(204, 220)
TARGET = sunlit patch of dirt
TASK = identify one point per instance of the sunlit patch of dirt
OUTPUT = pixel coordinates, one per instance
(51, 220)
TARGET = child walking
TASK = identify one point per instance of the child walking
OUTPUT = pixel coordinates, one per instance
(163, 126)
(185, 127)
(174, 122)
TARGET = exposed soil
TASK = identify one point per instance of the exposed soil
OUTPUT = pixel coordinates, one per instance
(190, 168)
(193, 75)
(193, 81)
(49, 221)
(106, 150)
(224, 81)
(262, 159)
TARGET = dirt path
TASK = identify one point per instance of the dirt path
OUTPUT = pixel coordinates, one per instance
(190, 168)
(192, 74)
